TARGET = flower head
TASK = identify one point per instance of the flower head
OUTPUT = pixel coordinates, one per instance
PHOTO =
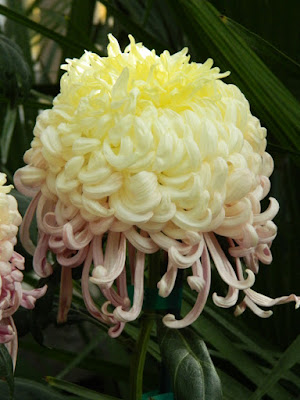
(12, 295)
(149, 152)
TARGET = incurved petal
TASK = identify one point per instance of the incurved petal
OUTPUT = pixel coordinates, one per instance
(169, 320)
(224, 267)
(133, 313)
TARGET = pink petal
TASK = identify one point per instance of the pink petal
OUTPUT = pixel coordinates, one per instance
(169, 320)
(65, 294)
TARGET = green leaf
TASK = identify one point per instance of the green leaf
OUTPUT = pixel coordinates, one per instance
(60, 39)
(7, 132)
(230, 326)
(192, 371)
(139, 356)
(269, 98)
(19, 33)
(96, 364)
(15, 76)
(30, 390)
(211, 333)
(78, 390)
(80, 23)
(232, 388)
(80, 356)
(285, 68)
(134, 28)
(6, 369)
(288, 359)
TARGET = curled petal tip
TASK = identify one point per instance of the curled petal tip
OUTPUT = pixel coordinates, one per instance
(99, 272)
(162, 288)
(196, 283)
(169, 319)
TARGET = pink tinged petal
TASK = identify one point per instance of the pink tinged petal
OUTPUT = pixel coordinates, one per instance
(133, 313)
(252, 262)
(131, 259)
(16, 275)
(114, 261)
(68, 259)
(266, 301)
(52, 227)
(116, 330)
(119, 226)
(169, 320)
(17, 260)
(266, 186)
(40, 264)
(253, 307)
(29, 192)
(267, 233)
(25, 226)
(185, 261)
(240, 308)
(240, 251)
(14, 302)
(250, 236)
(110, 294)
(56, 244)
(228, 301)
(49, 224)
(224, 267)
(269, 214)
(263, 253)
(253, 299)
(115, 299)
(6, 250)
(12, 345)
(167, 282)
(76, 242)
(107, 314)
(97, 250)
(6, 331)
(88, 301)
(43, 207)
(65, 294)
(196, 281)
(29, 297)
(164, 242)
(102, 226)
(141, 243)
(122, 289)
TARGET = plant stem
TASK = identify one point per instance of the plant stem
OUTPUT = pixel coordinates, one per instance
(147, 322)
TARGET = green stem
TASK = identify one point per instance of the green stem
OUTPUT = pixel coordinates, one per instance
(139, 357)
(147, 322)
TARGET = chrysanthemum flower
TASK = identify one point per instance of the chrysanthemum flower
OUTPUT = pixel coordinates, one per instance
(12, 295)
(149, 152)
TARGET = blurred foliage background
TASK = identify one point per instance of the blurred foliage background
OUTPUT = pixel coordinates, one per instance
(259, 42)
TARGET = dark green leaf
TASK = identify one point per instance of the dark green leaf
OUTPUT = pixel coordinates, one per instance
(134, 28)
(80, 23)
(60, 39)
(232, 388)
(211, 333)
(7, 131)
(192, 371)
(15, 76)
(78, 390)
(31, 390)
(286, 69)
(6, 370)
(288, 359)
